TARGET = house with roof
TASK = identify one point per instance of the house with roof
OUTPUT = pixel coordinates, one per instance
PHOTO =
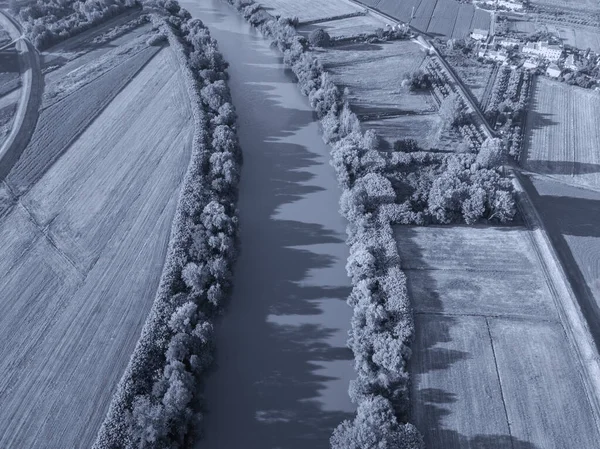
(553, 71)
(531, 63)
(543, 50)
(479, 34)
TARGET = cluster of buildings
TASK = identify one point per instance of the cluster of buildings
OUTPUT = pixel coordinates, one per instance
(506, 5)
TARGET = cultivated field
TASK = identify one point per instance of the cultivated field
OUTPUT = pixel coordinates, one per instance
(563, 133)
(352, 26)
(586, 5)
(436, 17)
(579, 37)
(83, 254)
(479, 293)
(309, 10)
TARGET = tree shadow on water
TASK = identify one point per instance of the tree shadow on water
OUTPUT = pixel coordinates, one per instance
(278, 345)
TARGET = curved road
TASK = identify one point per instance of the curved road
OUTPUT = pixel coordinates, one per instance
(31, 95)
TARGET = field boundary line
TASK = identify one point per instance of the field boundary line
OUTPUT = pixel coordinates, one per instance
(574, 324)
(507, 317)
(44, 232)
(487, 325)
(332, 18)
(467, 270)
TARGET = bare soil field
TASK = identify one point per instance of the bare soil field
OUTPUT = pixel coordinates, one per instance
(83, 254)
(563, 133)
(309, 10)
(353, 26)
(479, 293)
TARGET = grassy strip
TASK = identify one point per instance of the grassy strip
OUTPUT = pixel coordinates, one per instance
(156, 400)
(382, 325)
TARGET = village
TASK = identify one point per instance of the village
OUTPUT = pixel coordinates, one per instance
(542, 52)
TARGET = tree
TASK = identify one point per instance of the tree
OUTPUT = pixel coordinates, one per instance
(418, 80)
(491, 153)
(452, 110)
(319, 38)
(406, 145)
(375, 426)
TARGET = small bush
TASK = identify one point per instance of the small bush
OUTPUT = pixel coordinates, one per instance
(157, 39)
(319, 38)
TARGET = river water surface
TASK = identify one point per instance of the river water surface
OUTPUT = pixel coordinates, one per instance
(282, 363)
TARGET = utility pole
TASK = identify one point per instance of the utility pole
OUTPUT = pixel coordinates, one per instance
(412, 14)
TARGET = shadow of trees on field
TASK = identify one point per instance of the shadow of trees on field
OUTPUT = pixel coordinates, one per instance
(278, 339)
(438, 361)
(576, 216)
(9, 61)
(562, 167)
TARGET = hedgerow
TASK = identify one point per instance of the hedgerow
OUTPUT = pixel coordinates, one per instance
(47, 22)
(156, 404)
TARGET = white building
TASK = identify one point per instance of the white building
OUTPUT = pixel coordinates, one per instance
(570, 62)
(497, 55)
(531, 64)
(542, 49)
(553, 70)
(506, 42)
(479, 34)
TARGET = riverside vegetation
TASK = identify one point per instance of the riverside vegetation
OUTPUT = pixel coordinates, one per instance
(432, 188)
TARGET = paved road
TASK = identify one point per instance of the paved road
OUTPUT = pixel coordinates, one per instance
(32, 82)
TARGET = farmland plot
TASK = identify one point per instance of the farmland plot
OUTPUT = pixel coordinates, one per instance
(478, 293)
(400, 10)
(309, 9)
(462, 26)
(352, 26)
(83, 253)
(57, 126)
(444, 18)
(481, 20)
(586, 5)
(7, 116)
(423, 14)
(563, 133)
(579, 37)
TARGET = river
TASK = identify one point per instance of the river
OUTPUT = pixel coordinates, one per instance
(282, 363)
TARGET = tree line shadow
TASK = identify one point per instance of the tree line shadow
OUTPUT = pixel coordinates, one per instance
(436, 348)
(267, 390)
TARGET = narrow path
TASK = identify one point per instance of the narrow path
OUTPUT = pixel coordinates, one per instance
(282, 363)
